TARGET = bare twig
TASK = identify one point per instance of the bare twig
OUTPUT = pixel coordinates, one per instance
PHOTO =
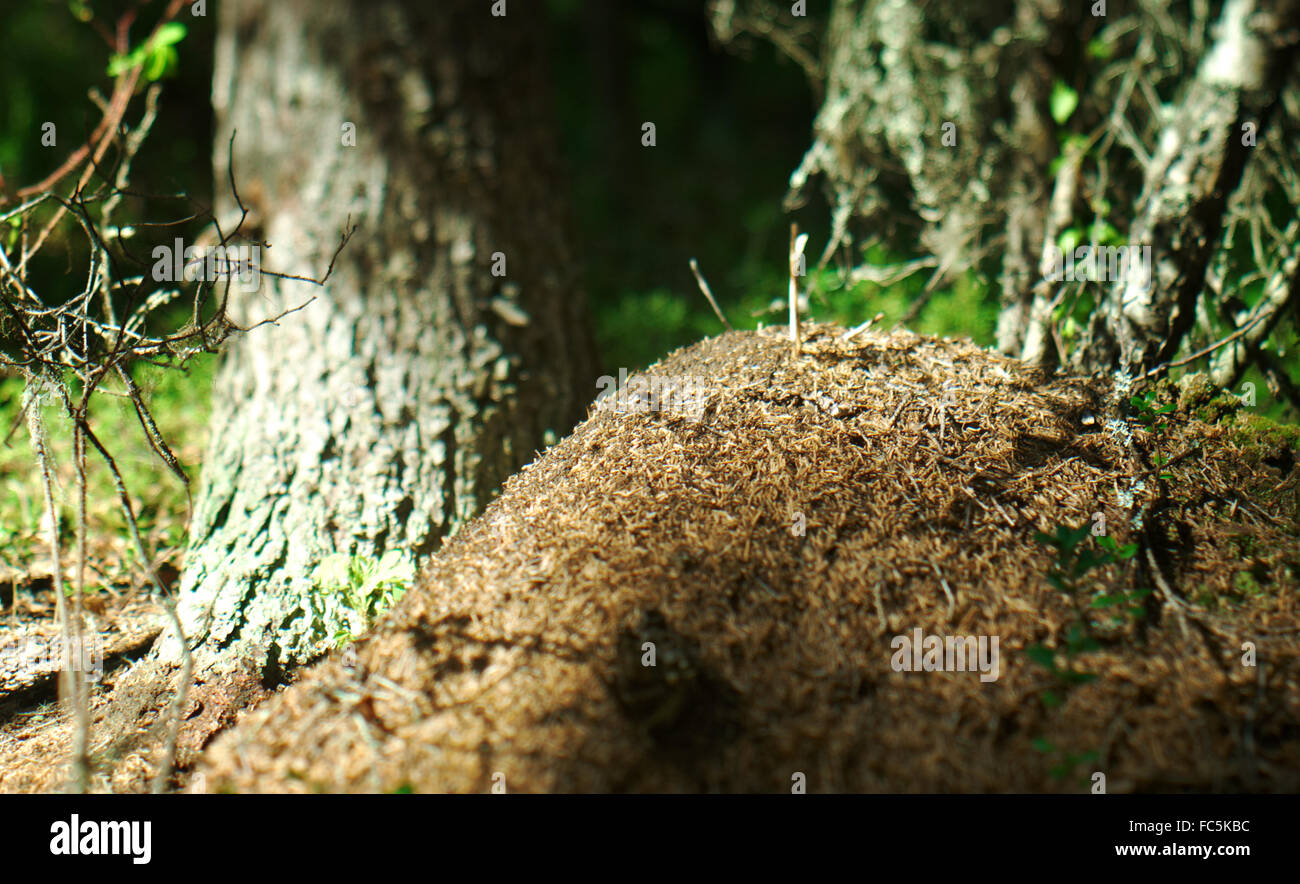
(98, 333)
(797, 243)
(704, 287)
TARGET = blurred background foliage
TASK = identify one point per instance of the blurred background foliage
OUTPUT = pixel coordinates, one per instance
(729, 129)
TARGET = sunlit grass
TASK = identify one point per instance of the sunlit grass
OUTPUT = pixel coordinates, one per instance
(179, 401)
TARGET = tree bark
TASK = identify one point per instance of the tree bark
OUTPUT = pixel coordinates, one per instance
(1197, 164)
(388, 410)
(908, 137)
(938, 136)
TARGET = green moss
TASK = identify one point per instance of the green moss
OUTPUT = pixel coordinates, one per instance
(179, 402)
(1217, 409)
(1263, 436)
(1200, 399)
(1246, 583)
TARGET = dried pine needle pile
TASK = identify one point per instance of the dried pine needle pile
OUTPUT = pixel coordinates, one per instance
(771, 551)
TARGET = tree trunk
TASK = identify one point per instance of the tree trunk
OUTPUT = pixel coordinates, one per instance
(1196, 166)
(388, 410)
(1001, 130)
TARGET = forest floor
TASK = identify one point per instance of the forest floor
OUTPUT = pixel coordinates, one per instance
(780, 550)
(121, 618)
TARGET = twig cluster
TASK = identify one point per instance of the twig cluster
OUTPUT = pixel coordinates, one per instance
(68, 349)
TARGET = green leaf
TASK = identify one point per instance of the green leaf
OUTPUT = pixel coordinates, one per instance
(1109, 601)
(1043, 745)
(1107, 235)
(1087, 561)
(1100, 49)
(1042, 656)
(333, 572)
(1107, 542)
(1074, 143)
(168, 35)
(1127, 551)
(120, 64)
(1070, 239)
(161, 62)
(157, 55)
(1064, 101)
(394, 566)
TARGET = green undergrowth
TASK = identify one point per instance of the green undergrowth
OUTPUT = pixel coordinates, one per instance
(179, 401)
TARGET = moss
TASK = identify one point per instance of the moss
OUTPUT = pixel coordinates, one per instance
(1197, 397)
(1193, 392)
(1217, 409)
(1246, 583)
(1264, 436)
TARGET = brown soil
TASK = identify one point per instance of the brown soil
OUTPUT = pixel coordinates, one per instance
(922, 470)
(130, 703)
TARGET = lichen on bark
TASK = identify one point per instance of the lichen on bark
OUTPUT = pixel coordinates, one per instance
(389, 408)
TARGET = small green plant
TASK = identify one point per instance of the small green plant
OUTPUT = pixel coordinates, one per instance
(1077, 642)
(1149, 414)
(157, 55)
(1074, 559)
(1126, 604)
(352, 591)
(1063, 102)
(1156, 419)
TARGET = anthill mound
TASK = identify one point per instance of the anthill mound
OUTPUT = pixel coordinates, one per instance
(772, 552)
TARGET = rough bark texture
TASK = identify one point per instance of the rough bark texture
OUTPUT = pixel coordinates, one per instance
(390, 409)
(1157, 174)
(1197, 164)
(898, 73)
